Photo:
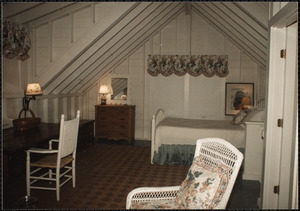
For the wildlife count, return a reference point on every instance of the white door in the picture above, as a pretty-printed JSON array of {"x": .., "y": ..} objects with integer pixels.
[
  {"x": 289, "y": 139},
  {"x": 280, "y": 166}
]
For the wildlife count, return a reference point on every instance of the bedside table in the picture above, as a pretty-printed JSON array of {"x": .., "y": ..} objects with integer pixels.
[
  {"x": 115, "y": 122},
  {"x": 254, "y": 151}
]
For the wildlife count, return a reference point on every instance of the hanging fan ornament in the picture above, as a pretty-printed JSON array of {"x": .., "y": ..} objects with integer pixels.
[{"x": 16, "y": 41}]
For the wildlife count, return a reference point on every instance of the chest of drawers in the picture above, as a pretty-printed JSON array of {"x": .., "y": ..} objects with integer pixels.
[{"x": 115, "y": 122}]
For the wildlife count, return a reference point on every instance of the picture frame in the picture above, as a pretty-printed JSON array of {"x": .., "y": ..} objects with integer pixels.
[{"x": 234, "y": 94}]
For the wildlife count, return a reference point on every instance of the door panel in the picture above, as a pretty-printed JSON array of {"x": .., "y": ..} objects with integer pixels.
[{"x": 289, "y": 119}]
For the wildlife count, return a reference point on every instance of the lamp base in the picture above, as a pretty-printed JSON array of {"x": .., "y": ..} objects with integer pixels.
[
  {"x": 26, "y": 122},
  {"x": 103, "y": 101},
  {"x": 22, "y": 124}
]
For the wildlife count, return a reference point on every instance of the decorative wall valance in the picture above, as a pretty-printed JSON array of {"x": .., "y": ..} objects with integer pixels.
[
  {"x": 16, "y": 41},
  {"x": 208, "y": 65}
]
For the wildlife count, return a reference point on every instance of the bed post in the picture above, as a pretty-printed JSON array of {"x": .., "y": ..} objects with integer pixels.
[{"x": 159, "y": 116}]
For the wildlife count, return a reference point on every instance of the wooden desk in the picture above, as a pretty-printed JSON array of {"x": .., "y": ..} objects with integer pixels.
[{"x": 16, "y": 142}]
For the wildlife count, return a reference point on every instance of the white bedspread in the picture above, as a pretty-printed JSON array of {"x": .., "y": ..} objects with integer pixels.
[{"x": 187, "y": 131}]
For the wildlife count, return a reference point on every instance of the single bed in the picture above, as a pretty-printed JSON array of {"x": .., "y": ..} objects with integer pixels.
[{"x": 173, "y": 140}]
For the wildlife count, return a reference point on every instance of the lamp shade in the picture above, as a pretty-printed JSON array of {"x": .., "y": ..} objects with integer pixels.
[
  {"x": 246, "y": 101},
  {"x": 103, "y": 89},
  {"x": 33, "y": 89}
]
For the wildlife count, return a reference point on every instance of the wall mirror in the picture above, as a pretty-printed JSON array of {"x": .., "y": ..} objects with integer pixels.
[{"x": 119, "y": 88}]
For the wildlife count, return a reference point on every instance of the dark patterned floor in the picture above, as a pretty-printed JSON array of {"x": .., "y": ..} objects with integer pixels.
[{"x": 106, "y": 173}]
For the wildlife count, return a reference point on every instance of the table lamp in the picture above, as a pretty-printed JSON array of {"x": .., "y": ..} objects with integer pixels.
[
  {"x": 246, "y": 102},
  {"x": 103, "y": 91},
  {"x": 33, "y": 89}
]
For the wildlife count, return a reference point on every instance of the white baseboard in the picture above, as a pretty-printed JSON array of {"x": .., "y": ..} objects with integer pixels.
[{"x": 259, "y": 202}]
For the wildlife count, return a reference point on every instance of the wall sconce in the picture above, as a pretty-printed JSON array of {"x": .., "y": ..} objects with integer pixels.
[
  {"x": 103, "y": 91},
  {"x": 33, "y": 89},
  {"x": 246, "y": 102}
]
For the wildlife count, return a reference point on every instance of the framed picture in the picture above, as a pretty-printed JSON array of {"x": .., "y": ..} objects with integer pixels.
[{"x": 238, "y": 96}]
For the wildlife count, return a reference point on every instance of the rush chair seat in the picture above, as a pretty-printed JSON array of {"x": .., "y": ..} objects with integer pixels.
[
  {"x": 208, "y": 184},
  {"x": 58, "y": 165}
]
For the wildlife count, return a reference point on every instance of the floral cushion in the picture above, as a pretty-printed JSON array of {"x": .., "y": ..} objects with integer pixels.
[
  {"x": 158, "y": 204},
  {"x": 203, "y": 187},
  {"x": 240, "y": 116}
]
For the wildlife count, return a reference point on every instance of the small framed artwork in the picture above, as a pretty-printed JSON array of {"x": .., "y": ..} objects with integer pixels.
[{"x": 238, "y": 96}]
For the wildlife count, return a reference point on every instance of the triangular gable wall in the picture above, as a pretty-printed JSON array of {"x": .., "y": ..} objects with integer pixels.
[{"x": 95, "y": 53}]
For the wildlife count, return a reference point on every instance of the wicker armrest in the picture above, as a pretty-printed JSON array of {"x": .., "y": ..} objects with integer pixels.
[{"x": 151, "y": 194}]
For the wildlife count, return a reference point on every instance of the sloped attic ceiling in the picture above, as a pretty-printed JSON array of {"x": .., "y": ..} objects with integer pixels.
[{"x": 243, "y": 23}]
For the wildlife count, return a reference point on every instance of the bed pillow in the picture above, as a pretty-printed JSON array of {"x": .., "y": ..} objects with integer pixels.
[
  {"x": 203, "y": 187},
  {"x": 240, "y": 116},
  {"x": 255, "y": 115}
]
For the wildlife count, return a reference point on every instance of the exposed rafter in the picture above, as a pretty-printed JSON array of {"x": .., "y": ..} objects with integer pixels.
[
  {"x": 100, "y": 50},
  {"x": 81, "y": 51},
  {"x": 249, "y": 36},
  {"x": 19, "y": 14},
  {"x": 136, "y": 44}
]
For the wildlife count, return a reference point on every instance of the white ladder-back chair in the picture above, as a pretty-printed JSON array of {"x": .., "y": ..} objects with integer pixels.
[
  {"x": 59, "y": 164},
  {"x": 215, "y": 160}
]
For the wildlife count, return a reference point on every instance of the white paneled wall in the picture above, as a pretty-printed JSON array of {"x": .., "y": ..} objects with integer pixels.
[
  {"x": 136, "y": 88},
  {"x": 206, "y": 98},
  {"x": 235, "y": 60},
  {"x": 42, "y": 49},
  {"x": 13, "y": 80},
  {"x": 183, "y": 34},
  {"x": 54, "y": 38},
  {"x": 92, "y": 101},
  {"x": 50, "y": 108},
  {"x": 261, "y": 84},
  {"x": 51, "y": 39},
  {"x": 168, "y": 38},
  {"x": 186, "y": 96},
  {"x": 82, "y": 20},
  {"x": 61, "y": 36},
  {"x": 13, "y": 85},
  {"x": 168, "y": 92},
  {"x": 147, "y": 96}
]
